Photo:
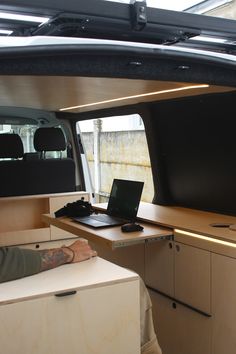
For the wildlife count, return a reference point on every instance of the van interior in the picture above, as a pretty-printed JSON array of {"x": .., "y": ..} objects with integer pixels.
[
  {"x": 183, "y": 123},
  {"x": 186, "y": 253}
]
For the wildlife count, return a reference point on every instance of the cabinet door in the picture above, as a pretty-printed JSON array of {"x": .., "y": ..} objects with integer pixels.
[
  {"x": 159, "y": 266},
  {"x": 223, "y": 304},
  {"x": 192, "y": 276},
  {"x": 101, "y": 320},
  {"x": 179, "y": 329}
]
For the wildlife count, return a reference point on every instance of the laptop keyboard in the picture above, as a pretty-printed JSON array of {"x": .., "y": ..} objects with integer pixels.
[{"x": 106, "y": 218}]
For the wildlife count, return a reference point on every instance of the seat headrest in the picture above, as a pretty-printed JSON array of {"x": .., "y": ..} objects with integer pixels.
[
  {"x": 49, "y": 139},
  {"x": 11, "y": 146}
]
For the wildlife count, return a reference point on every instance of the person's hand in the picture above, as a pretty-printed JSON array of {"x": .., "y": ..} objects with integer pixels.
[{"x": 81, "y": 251}]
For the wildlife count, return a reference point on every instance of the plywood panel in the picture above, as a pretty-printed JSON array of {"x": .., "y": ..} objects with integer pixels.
[
  {"x": 101, "y": 316},
  {"x": 131, "y": 257},
  {"x": 47, "y": 245},
  {"x": 91, "y": 273},
  {"x": 21, "y": 237},
  {"x": 104, "y": 320},
  {"x": 112, "y": 236},
  {"x": 193, "y": 277},
  {"x": 39, "y": 91},
  {"x": 181, "y": 330},
  {"x": 159, "y": 270},
  {"x": 188, "y": 219},
  {"x": 57, "y": 202},
  {"x": 22, "y": 214},
  {"x": 223, "y": 304},
  {"x": 21, "y": 217}
]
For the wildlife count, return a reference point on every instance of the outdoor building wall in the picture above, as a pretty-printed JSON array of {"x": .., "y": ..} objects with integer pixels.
[
  {"x": 123, "y": 155},
  {"x": 225, "y": 11}
]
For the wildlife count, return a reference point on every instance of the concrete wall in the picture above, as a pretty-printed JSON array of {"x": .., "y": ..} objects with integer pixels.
[
  {"x": 225, "y": 11},
  {"x": 123, "y": 155}
]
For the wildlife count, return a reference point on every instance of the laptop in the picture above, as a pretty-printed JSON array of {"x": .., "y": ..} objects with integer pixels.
[{"x": 122, "y": 205}]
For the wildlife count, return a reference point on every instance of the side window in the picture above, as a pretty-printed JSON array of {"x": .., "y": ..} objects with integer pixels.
[
  {"x": 116, "y": 147},
  {"x": 26, "y": 132}
]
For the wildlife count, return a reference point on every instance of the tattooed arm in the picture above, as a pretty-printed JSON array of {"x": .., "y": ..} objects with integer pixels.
[
  {"x": 53, "y": 258},
  {"x": 17, "y": 263},
  {"x": 77, "y": 252}
]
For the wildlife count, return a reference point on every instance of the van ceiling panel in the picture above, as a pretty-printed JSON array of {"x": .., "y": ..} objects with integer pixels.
[{"x": 57, "y": 92}]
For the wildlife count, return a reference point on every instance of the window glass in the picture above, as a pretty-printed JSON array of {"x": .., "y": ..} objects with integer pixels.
[
  {"x": 26, "y": 132},
  {"x": 116, "y": 147}
]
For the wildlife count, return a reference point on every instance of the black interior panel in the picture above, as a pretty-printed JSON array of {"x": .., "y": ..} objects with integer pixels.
[{"x": 194, "y": 152}]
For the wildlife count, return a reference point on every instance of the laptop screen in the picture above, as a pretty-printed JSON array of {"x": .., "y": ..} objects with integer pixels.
[{"x": 125, "y": 198}]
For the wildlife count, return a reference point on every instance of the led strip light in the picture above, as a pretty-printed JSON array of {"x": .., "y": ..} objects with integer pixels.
[
  {"x": 135, "y": 96},
  {"x": 206, "y": 238}
]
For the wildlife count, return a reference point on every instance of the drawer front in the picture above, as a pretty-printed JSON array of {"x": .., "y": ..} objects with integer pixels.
[{"x": 100, "y": 320}]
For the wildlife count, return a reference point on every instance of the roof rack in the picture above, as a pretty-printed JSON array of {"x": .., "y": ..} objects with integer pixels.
[{"x": 134, "y": 22}]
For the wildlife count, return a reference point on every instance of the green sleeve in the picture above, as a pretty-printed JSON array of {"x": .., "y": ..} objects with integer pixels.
[{"x": 17, "y": 263}]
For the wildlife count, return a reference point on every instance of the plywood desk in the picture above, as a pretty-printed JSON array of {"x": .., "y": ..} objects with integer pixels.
[
  {"x": 111, "y": 236},
  {"x": 158, "y": 221},
  {"x": 190, "y": 220}
]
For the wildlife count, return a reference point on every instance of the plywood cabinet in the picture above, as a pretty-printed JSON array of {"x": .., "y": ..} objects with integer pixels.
[
  {"x": 204, "y": 279},
  {"x": 159, "y": 266},
  {"x": 179, "y": 271},
  {"x": 223, "y": 304},
  {"x": 89, "y": 307},
  {"x": 179, "y": 329},
  {"x": 21, "y": 217},
  {"x": 57, "y": 202},
  {"x": 180, "y": 278},
  {"x": 192, "y": 276},
  {"x": 46, "y": 245}
]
